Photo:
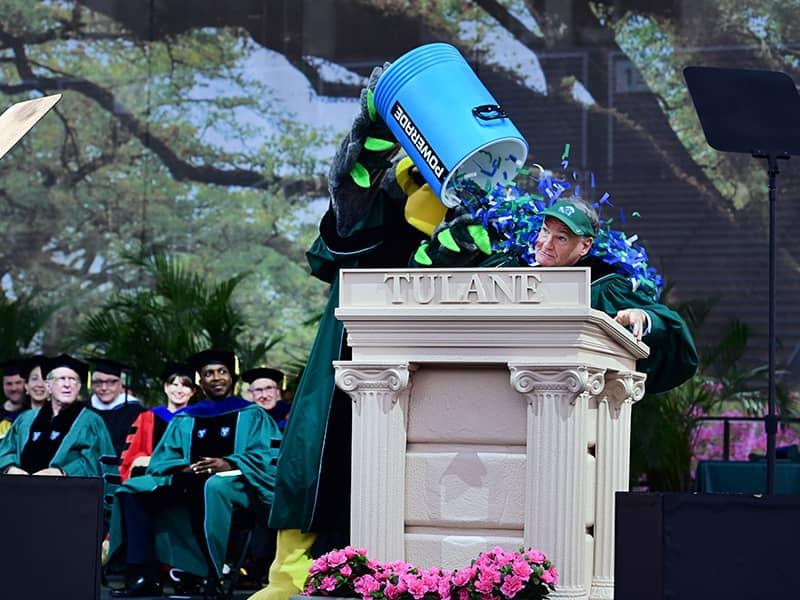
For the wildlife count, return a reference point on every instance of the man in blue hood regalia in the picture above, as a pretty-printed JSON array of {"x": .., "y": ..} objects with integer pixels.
[{"x": 217, "y": 456}]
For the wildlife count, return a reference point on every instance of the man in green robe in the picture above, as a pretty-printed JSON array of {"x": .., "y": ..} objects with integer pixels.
[
  {"x": 216, "y": 457},
  {"x": 61, "y": 438}
]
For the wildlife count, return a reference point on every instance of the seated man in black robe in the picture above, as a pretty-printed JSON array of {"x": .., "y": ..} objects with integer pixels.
[
  {"x": 112, "y": 401},
  {"x": 61, "y": 438}
]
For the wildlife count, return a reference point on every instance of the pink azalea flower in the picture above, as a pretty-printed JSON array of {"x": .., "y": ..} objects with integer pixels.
[
  {"x": 550, "y": 576},
  {"x": 485, "y": 584},
  {"x": 417, "y": 588},
  {"x": 336, "y": 558},
  {"x": 534, "y": 555},
  {"x": 511, "y": 586},
  {"x": 328, "y": 583},
  {"x": 366, "y": 584},
  {"x": 463, "y": 595},
  {"x": 390, "y": 590},
  {"x": 346, "y": 571},
  {"x": 521, "y": 568},
  {"x": 462, "y": 577}
]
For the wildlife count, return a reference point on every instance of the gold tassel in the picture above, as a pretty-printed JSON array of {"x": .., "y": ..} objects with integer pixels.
[{"x": 235, "y": 365}]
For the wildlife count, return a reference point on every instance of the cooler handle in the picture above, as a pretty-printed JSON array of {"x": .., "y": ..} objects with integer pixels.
[{"x": 488, "y": 112}]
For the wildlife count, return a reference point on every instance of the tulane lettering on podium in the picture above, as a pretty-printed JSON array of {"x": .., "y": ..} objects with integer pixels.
[
  {"x": 420, "y": 143},
  {"x": 482, "y": 288}
]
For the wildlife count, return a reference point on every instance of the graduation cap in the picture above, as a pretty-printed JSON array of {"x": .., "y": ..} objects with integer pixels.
[
  {"x": 177, "y": 368},
  {"x": 12, "y": 366},
  {"x": 213, "y": 356},
  {"x": 265, "y": 373},
  {"x": 65, "y": 360},
  {"x": 30, "y": 363},
  {"x": 107, "y": 366}
]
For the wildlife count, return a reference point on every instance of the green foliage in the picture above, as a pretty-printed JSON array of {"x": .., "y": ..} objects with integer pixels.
[
  {"x": 21, "y": 320},
  {"x": 175, "y": 313},
  {"x": 663, "y": 426}
]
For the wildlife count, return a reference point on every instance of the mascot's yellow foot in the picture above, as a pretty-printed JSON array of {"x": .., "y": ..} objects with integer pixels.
[{"x": 289, "y": 570}]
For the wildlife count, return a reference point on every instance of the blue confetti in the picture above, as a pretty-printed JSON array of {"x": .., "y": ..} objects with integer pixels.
[{"x": 513, "y": 218}]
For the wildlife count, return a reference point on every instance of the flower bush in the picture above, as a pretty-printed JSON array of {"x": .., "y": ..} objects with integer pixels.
[
  {"x": 335, "y": 573},
  {"x": 496, "y": 574}
]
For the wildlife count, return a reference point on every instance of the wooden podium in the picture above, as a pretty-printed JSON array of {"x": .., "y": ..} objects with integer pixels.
[{"x": 491, "y": 407}]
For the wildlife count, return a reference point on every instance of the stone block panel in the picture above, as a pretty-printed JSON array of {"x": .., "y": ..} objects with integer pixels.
[
  {"x": 474, "y": 405},
  {"x": 458, "y": 487},
  {"x": 450, "y": 550}
]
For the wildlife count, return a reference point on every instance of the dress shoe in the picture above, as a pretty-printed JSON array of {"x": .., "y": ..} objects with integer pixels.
[
  {"x": 141, "y": 587},
  {"x": 214, "y": 589}
]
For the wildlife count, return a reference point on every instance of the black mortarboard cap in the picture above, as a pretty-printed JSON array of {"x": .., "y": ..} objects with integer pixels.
[
  {"x": 65, "y": 360},
  {"x": 213, "y": 356},
  {"x": 177, "y": 368},
  {"x": 263, "y": 372},
  {"x": 107, "y": 366},
  {"x": 31, "y": 362}
]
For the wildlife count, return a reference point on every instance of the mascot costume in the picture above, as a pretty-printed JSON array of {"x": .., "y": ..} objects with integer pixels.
[{"x": 383, "y": 215}]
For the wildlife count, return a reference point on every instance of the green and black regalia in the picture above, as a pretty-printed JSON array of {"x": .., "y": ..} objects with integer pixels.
[
  {"x": 190, "y": 509},
  {"x": 73, "y": 441}
]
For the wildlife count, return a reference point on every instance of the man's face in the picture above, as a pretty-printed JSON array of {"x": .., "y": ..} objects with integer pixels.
[
  {"x": 264, "y": 392},
  {"x": 557, "y": 246},
  {"x": 64, "y": 385},
  {"x": 106, "y": 386},
  {"x": 216, "y": 381},
  {"x": 13, "y": 388}
]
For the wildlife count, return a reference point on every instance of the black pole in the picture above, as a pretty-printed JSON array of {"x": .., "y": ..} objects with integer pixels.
[{"x": 771, "y": 422}]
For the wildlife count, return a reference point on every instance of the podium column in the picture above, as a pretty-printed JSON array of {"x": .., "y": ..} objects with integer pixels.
[
  {"x": 555, "y": 510},
  {"x": 377, "y": 505},
  {"x": 613, "y": 470}
]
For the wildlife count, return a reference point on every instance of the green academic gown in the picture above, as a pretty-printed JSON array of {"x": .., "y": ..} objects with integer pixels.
[
  {"x": 78, "y": 454},
  {"x": 312, "y": 490},
  {"x": 256, "y": 445},
  {"x": 673, "y": 356}
]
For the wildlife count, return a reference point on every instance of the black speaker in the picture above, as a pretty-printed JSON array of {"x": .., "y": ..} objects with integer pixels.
[
  {"x": 706, "y": 546},
  {"x": 50, "y": 536}
]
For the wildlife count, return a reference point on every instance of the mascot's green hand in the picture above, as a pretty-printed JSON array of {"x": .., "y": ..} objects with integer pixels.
[
  {"x": 361, "y": 161},
  {"x": 458, "y": 242}
]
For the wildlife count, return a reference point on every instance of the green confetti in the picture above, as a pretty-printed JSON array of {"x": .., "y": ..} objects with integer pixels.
[
  {"x": 635, "y": 214},
  {"x": 566, "y": 152}
]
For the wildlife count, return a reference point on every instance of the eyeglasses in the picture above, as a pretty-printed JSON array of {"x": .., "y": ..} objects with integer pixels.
[
  {"x": 105, "y": 382},
  {"x": 262, "y": 390},
  {"x": 66, "y": 379}
]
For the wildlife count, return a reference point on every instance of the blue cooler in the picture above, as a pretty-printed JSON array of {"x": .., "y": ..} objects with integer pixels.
[{"x": 447, "y": 121}]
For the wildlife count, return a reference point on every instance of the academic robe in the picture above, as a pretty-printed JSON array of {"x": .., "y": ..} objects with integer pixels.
[
  {"x": 673, "y": 357},
  {"x": 143, "y": 437},
  {"x": 256, "y": 441},
  {"x": 118, "y": 420},
  {"x": 79, "y": 452},
  {"x": 313, "y": 481}
]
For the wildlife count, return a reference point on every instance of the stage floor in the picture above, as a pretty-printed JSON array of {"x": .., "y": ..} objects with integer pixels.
[{"x": 105, "y": 594}]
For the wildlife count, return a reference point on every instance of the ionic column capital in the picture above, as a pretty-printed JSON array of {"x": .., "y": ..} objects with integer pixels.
[
  {"x": 575, "y": 379},
  {"x": 624, "y": 387},
  {"x": 360, "y": 380}
]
